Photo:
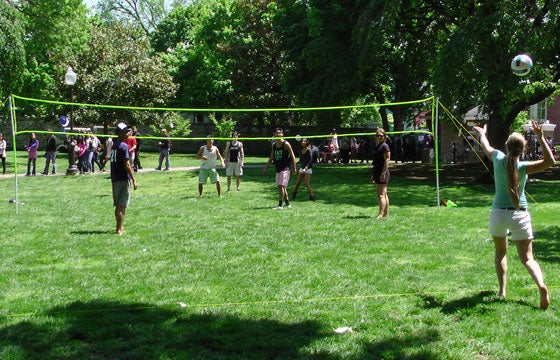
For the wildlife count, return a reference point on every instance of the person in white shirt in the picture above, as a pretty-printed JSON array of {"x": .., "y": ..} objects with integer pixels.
[{"x": 209, "y": 154}]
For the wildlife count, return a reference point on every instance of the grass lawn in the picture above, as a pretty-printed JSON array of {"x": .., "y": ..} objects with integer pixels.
[{"x": 230, "y": 278}]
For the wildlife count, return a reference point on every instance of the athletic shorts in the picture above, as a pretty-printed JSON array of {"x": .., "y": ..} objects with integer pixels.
[
  {"x": 234, "y": 169},
  {"x": 204, "y": 174},
  {"x": 121, "y": 193},
  {"x": 283, "y": 177},
  {"x": 308, "y": 171},
  {"x": 377, "y": 178},
  {"x": 518, "y": 223}
]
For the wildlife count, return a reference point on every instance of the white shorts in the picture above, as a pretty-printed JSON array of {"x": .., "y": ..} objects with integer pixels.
[
  {"x": 283, "y": 178},
  {"x": 518, "y": 223},
  {"x": 234, "y": 169},
  {"x": 308, "y": 171}
]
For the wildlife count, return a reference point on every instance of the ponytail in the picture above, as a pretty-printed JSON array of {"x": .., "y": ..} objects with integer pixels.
[
  {"x": 513, "y": 179},
  {"x": 515, "y": 146}
]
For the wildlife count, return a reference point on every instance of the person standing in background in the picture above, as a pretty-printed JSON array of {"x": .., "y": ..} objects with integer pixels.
[
  {"x": 305, "y": 169},
  {"x": 234, "y": 155},
  {"x": 121, "y": 175},
  {"x": 32, "y": 147},
  {"x": 209, "y": 154},
  {"x": 380, "y": 176},
  {"x": 164, "y": 147},
  {"x": 282, "y": 156},
  {"x": 50, "y": 154},
  {"x": 137, "y": 165},
  {"x": 3, "y": 152}
]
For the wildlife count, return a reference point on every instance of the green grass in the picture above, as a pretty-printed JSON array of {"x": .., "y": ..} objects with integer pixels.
[{"x": 229, "y": 278}]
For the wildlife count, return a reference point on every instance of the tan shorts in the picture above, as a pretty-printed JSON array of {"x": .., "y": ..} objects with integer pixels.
[{"x": 234, "y": 169}]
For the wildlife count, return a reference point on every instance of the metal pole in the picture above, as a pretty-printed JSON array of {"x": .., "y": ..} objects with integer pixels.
[{"x": 15, "y": 153}]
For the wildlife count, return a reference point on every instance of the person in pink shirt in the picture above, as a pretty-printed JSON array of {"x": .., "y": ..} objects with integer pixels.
[{"x": 32, "y": 147}]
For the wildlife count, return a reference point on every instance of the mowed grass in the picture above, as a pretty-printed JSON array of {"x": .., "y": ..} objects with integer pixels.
[{"x": 230, "y": 278}]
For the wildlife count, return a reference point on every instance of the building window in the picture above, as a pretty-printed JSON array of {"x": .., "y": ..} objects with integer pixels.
[
  {"x": 538, "y": 111},
  {"x": 541, "y": 112},
  {"x": 199, "y": 118}
]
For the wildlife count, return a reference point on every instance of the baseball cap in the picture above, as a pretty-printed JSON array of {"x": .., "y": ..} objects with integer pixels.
[{"x": 122, "y": 127}]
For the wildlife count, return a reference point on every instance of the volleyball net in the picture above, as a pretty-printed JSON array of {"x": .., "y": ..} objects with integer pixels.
[{"x": 68, "y": 119}]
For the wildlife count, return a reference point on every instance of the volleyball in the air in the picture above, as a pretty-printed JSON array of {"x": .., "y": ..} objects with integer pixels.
[{"x": 521, "y": 65}]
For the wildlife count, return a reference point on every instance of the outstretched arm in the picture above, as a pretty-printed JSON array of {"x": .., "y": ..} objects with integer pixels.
[
  {"x": 488, "y": 150},
  {"x": 548, "y": 158}
]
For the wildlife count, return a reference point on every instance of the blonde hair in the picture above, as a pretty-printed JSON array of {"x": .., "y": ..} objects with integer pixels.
[{"x": 515, "y": 145}]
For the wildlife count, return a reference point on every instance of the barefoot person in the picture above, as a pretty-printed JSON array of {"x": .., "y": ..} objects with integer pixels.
[
  {"x": 509, "y": 209},
  {"x": 121, "y": 174},
  {"x": 380, "y": 176}
]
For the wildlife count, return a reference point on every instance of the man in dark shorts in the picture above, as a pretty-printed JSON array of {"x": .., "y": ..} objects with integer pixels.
[{"x": 121, "y": 175}]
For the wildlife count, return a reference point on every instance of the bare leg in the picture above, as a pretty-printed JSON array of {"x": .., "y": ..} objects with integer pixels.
[
  {"x": 383, "y": 200},
  {"x": 308, "y": 184},
  {"x": 500, "y": 263},
  {"x": 200, "y": 187},
  {"x": 237, "y": 182},
  {"x": 525, "y": 252},
  {"x": 296, "y": 187},
  {"x": 119, "y": 217},
  {"x": 228, "y": 182},
  {"x": 219, "y": 188}
]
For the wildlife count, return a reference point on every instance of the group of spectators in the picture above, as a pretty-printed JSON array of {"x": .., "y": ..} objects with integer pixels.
[
  {"x": 342, "y": 151},
  {"x": 89, "y": 151}
]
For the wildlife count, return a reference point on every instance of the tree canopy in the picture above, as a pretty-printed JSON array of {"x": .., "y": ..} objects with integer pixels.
[{"x": 285, "y": 53}]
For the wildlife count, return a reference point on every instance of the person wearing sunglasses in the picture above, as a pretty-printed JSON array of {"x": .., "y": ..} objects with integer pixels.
[{"x": 380, "y": 176}]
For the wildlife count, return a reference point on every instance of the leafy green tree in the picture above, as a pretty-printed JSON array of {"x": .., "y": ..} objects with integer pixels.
[
  {"x": 54, "y": 36},
  {"x": 316, "y": 39},
  {"x": 474, "y": 64},
  {"x": 118, "y": 69},
  {"x": 225, "y": 54},
  {"x": 143, "y": 13},
  {"x": 12, "y": 56},
  {"x": 198, "y": 63}
]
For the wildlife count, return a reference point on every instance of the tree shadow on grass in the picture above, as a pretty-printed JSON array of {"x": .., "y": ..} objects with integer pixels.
[
  {"x": 546, "y": 245},
  {"x": 473, "y": 304},
  {"x": 112, "y": 330},
  {"x": 398, "y": 347}
]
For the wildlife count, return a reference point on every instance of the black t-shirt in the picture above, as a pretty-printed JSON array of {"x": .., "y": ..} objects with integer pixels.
[
  {"x": 281, "y": 157},
  {"x": 119, "y": 154}
]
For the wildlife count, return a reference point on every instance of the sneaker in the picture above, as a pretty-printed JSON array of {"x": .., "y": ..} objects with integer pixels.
[
  {"x": 277, "y": 208},
  {"x": 158, "y": 168},
  {"x": 166, "y": 169},
  {"x": 44, "y": 173},
  {"x": 288, "y": 206}
]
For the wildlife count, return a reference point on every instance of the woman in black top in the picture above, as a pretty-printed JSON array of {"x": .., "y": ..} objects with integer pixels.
[
  {"x": 381, "y": 174},
  {"x": 305, "y": 169}
]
